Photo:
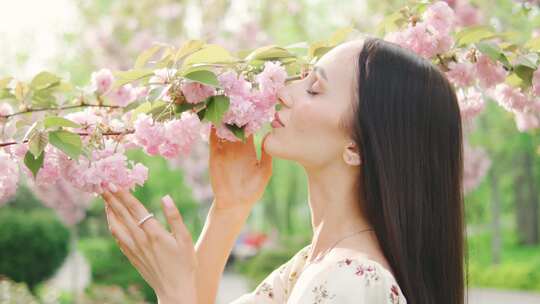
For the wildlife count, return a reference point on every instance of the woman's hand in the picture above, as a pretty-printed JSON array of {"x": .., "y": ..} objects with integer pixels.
[
  {"x": 238, "y": 178},
  {"x": 167, "y": 261}
]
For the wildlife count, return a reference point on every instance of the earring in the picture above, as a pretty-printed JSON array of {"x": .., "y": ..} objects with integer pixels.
[{"x": 350, "y": 156}]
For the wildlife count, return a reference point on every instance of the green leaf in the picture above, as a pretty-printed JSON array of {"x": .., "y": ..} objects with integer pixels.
[
  {"x": 6, "y": 94},
  {"x": 269, "y": 52},
  {"x": 142, "y": 108},
  {"x": 44, "y": 80},
  {"x": 204, "y": 77},
  {"x": 160, "y": 108},
  {"x": 179, "y": 108},
  {"x": 390, "y": 23},
  {"x": 21, "y": 90},
  {"x": 43, "y": 98},
  {"x": 473, "y": 34},
  {"x": 525, "y": 73},
  {"x": 56, "y": 121},
  {"x": 143, "y": 57},
  {"x": 237, "y": 131},
  {"x": 124, "y": 77},
  {"x": 68, "y": 142},
  {"x": 211, "y": 53},
  {"x": 216, "y": 107},
  {"x": 493, "y": 51},
  {"x": 166, "y": 60},
  {"x": 33, "y": 163},
  {"x": 340, "y": 35},
  {"x": 4, "y": 82},
  {"x": 528, "y": 60},
  {"x": 37, "y": 143},
  {"x": 188, "y": 48},
  {"x": 533, "y": 44}
]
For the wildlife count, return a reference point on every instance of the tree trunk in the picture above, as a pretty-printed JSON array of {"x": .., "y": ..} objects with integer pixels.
[
  {"x": 531, "y": 234},
  {"x": 495, "y": 217}
]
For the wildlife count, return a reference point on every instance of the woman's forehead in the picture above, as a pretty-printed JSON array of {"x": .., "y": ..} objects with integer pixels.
[{"x": 339, "y": 61}]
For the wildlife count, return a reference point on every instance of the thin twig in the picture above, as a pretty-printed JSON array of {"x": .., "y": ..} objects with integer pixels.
[
  {"x": 78, "y": 133},
  {"x": 59, "y": 109}
]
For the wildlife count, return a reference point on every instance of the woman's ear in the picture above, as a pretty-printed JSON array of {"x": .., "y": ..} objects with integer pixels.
[{"x": 351, "y": 154}]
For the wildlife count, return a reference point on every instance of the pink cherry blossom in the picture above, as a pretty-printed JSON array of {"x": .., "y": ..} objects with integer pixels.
[
  {"x": 50, "y": 173},
  {"x": 196, "y": 92},
  {"x": 140, "y": 92},
  {"x": 68, "y": 202},
  {"x": 224, "y": 133},
  {"x": 536, "y": 83},
  {"x": 106, "y": 170},
  {"x": 17, "y": 151},
  {"x": 526, "y": 121},
  {"x": 443, "y": 43},
  {"x": 162, "y": 76},
  {"x": 180, "y": 135},
  {"x": 510, "y": 98},
  {"x": 5, "y": 109},
  {"x": 102, "y": 81},
  {"x": 234, "y": 84},
  {"x": 471, "y": 104},
  {"x": 9, "y": 177},
  {"x": 168, "y": 139},
  {"x": 489, "y": 73},
  {"x": 88, "y": 119},
  {"x": 467, "y": 14},
  {"x": 272, "y": 78},
  {"x": 439, "y": 16},
  {"x": 148, "y": 134},
  {"x": 123, "y": 95},
  {"x": 476, "y": 165},
  {"x": 461, "y": 74},
  {"x": 241, "y": 111},
  {"x": 417, "y": 39}
]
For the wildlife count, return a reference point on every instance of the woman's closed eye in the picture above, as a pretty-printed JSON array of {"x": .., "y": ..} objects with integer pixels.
[{"x": 311, "y": 92}]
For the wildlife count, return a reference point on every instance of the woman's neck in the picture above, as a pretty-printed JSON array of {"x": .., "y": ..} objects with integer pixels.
[{"x": 334, "y": 204}]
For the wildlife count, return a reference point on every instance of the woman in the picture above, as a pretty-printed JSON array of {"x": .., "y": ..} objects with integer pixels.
[{"x": 378, "y": 131}]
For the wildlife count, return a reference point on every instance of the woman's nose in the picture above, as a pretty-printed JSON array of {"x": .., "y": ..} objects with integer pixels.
[{"x": 283, "y": 97}]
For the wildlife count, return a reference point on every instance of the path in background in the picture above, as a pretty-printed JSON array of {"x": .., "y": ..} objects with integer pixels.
[{"x": 233, "y": 285}]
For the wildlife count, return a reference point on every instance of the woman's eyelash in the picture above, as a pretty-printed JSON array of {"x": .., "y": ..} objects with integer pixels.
[{"x": 310, "y": 92}]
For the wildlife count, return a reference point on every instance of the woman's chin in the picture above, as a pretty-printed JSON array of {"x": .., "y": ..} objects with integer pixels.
[{"x": 272, "y": 144}]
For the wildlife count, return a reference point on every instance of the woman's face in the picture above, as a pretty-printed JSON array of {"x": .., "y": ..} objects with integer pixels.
[{"x": 313, "y": 108}]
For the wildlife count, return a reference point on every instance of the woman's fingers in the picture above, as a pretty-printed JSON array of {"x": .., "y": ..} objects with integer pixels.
[
  {"x": 151, "y": 226},
  {"x": 126, "y": 220},
  {"x": 117, "y": 230},
  {"x": 127, "y": 245},
  {"x": 174, "y": 218},
  {"x": 266, "y": 159}
]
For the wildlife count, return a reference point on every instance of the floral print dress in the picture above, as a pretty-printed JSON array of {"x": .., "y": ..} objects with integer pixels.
[{"x": 344, "y": 280}]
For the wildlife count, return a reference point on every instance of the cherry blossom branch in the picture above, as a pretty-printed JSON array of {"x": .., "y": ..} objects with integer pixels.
[
  {"x": 59, "y": 109},
  {"x": 129, "y": 131}
]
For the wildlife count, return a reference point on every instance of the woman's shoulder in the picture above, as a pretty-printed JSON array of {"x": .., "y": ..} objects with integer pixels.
[{"x": 348, "y": 279}]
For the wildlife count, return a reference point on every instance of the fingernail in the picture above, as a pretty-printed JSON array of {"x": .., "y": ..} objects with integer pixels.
[{"x": 167, "y": 201}]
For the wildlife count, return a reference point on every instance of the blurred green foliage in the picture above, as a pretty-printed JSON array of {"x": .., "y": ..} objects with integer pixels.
[
  {"x": 110, "y": 266},
  {"x": 34, "y": 244}
]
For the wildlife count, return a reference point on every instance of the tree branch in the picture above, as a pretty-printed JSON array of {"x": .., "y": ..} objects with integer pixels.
[
  {"x": 60, "y": 109},
  {"x": 9, "y": 143}
]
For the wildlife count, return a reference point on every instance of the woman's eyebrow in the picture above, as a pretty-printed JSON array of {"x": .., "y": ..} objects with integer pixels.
[{"x": 321, "y": 71}]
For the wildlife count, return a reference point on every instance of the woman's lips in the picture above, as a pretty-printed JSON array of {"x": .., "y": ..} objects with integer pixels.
[{"x": 277, "y": 123}]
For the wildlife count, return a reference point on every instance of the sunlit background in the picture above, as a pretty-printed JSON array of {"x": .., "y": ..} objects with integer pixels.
[{"x": 73, "y": 38}]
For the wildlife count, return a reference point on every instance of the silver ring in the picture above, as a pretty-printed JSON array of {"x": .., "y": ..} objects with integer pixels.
[{"x": 145, "y": 218}]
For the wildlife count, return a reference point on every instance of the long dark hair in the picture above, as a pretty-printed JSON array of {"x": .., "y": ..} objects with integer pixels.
[{"x": 408, "y": 128}]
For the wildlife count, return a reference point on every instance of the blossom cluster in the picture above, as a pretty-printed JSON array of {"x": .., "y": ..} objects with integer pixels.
[
  {"x": 107, "y": 131},
  {"x": 476, "y": 74},
  {"x": 432, "y": 35}
]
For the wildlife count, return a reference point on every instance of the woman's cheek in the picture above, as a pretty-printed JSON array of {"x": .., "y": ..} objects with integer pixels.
[{"x": 308, "y": 118}]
